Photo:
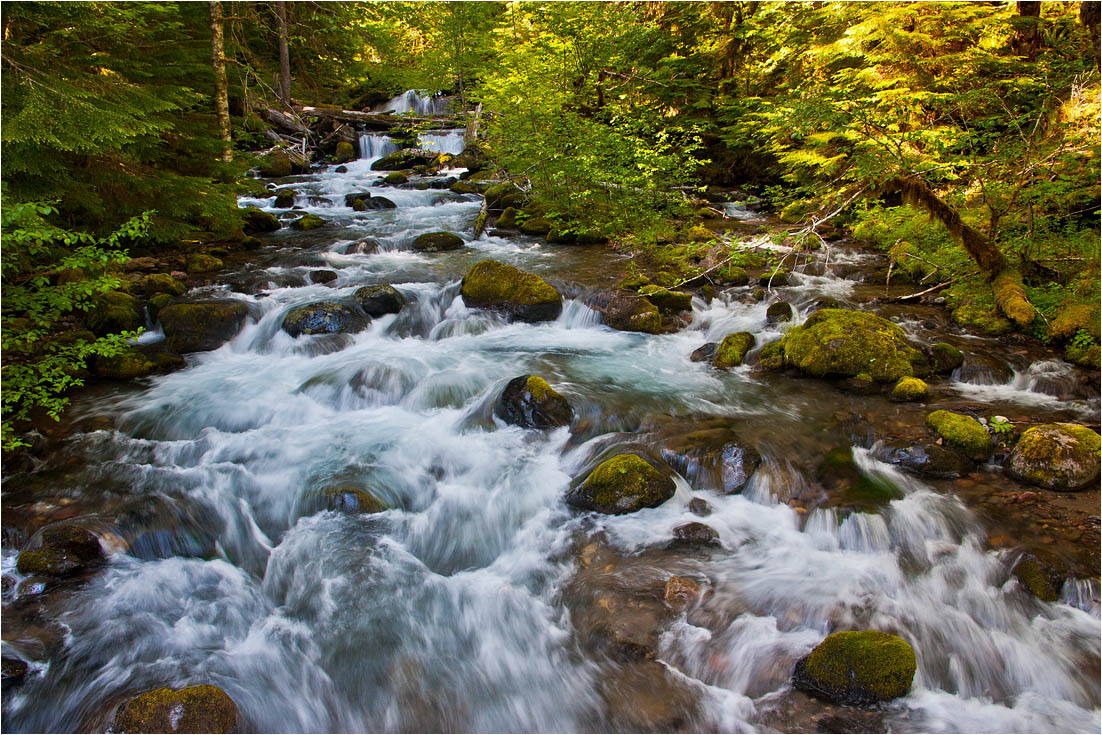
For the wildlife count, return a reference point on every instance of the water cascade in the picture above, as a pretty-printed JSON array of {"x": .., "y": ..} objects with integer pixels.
[{"x": 413, "y": 101}]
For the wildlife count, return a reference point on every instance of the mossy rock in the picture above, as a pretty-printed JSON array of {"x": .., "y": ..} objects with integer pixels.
[
  {"x": 668, "y": 302},
  {"x": 256, "y": 220},
  {"x": 203, "y": 263},
  {"x": 201, "y": 326},
  {"x": 627, "y": 311},
  {"x": 561, "y": 237},
  {"x": 404, "y": 159},
  {"x": 435, "y": 242},
  {"x": 781, "y": 311},
  {"x": 666, "y": 279},
  {"x": 500, "y": 287},
  {"x": 114, "y": 312},
  {"x": 634, "y": 282},
  {"x": 982, "y": 319},
  {"x": 345, "y": 152},
  {"x": 732, "y": 350},
  {"x": 624, "y": 484},
  {"x": 848, "y": 343},
  {"x": 502, "y": 196},
  {"x": 508, "y": 219},
  {"x": 325, "y": 317},
  {"x": 962, "y": 432},
  {"x": 732, "y": 275},
  {"x": 1085, "y": 355},
  {"x": 201, "y": 708},
  {"x": 463, "y": 187},
  {"x": 774, "y": 278},
  {"x": 537, "y": 226},
  {"x": 1040, "y": 581},
  {"x": 396, "y": 178},
  {"x": 945, "y": 357},
  {"x": 1070, "y": 319},
  {"x": 275, "y": 165},
  {"x": 128, "y": 364},
  {"x": 529, "y": 401},
  {"x": 285, "y": 199},
  {"x": 910, "y": 389},
  {"x": 158, "y": 302},
  {"x": 162, "y": 283},
  {"x": 1056, "y": 457},
  {"x": 699, "y": 233},
  {"x": 308, "y": 222},
  {"x": 858, "y": 668},
  {"x": 66, "y": 549},
  {"x": 379, "y": 299},
  {"x": 771, "y": 356}
]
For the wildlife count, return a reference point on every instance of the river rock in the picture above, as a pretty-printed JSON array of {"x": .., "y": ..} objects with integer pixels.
[
  {"x": 379, "y": 299},
  {"x": 276, "y": 164},
  {"x": 285, "y": 199},
  {"x": 700, "y": 507},
  {"x": 714, "y": 458},
  {"x": 624, "y": 484},
  {"x": 257, "y": 220},
  {"x": 162, "y": 283},
  {"x": 529, "y": 401},
  {"x": 1056, "y": 457},
  {"x": 945, "y": 358},
  {"x": 325, "y": 317},
  {"x": 435, "y": 242},
  {"x": 667, "y": 301},
  {"x": 627, "y": 311},
  {"x": 12, "y": 671},
  {"x": 114, "y": 312},
  {"x": 203, "y": 263},
  {"x": 522, "y": 296},
  {"x": 705, "y": 353},
  {"x": 781, "y": 311},
  {"x": 732, "y": 350},
  {"x": 404, "y": 159},
  {"x": 345, "y": 151},
  {"x": 366, "y": 246},
  {"x": 1040, "y": 580},
  {"x": 910, "y": 389},
  {"x": 980, "y": 369},
  {"x": 202, "y": 325},
  {"x": 500, "y": 197},
  {"x": 962, "y": 432},
  {"x": 536, "y": 226},
  {"x": 308, "y": 222},
  {"x": 202, "y": 708},
  {"x": 65, "y": 550},
  {"x": 857, "y": 668},
  {"x": 930, "y": 460},
  {"x": 842, "y": 342},
  {"x": 695, "y": 533},
  {"x": 364, "y": 202}
]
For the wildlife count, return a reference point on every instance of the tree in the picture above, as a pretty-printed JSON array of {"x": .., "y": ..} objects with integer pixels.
[
  {"x": 218, "y": 63},
  {"x": 284, "y": 55}
]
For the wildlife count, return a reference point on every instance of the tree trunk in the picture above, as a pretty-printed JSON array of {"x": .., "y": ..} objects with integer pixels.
[
  {"x": 284, "y": 55},
  {"x": 1090, "y": 14},
  {"x": 218, "y": 64},
  {"x": 1027, "y": 42}
]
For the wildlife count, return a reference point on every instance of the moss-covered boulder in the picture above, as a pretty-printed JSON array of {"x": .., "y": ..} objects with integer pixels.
[
  {"x": 858, "y": 668},
  {"x": 308, "y": 222},
  {"x": 257, "y": 220},
  {"x": 523, "y": 296},
  {"x": 502, "y": 196},
  {"x": 627, "y": 311},
  {"x": 464, "y": 187},
  {"x": 325, "y": 317},
  {"x": 1039, "y": 580},
  {"x": 203, "y": 263},
  {"x": 396, "y": 178},
  {"x": 162, "y": 283},
  {"x": 774, "y": 278},
  {"x": 536, "y": 226},
  {"x": 404, "y": 159},
  {"x": 771, "y": 356},
  {"x": 1056, "y": 457},
  {"x": 1085, "y": 355},
  {"x": 667, "y": 301},
  {"x": 379, "y": 299},
  {"x": 1073, "y": 317},
  {"x": 529, "y": 401},
  {"x": 285, "y": 199},
  {"x": 982, "y": 319},
  {"x": 158, "y": 302},
  {"x": 781, "y": 311},
  {"x": 698, "y": 233},
  {"x": 435, "y": 242},
  {"x": 202, "y": 708},
  {"x": 276, "y": 164},
  {"x": 345, "y": 152},
  {"x": 65, "y": 549},
  {"x": 945, "y": 358},
  {"x": 624, "y": 484},
  {"x": 127, "y": 364},
  {"x": 732, "y": 350},
  {"x": 633, "y": 282},
  {"x": 113, "y": 312},
  {"x": 842, "y": 342},
  {"x": 910, "y": 389},
  {"x": 201, "y": 326},
  {"x": 508, "y": 219},
  {"x": 962, "y": 432},
  {"x": 732, "y": 275}
]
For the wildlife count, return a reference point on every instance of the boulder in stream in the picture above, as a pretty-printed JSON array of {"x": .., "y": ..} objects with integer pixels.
[
  {"x": 842, "y": 342},
  {"x": 667, "y": 301},
  {"x": 930, "y": 460},
  {"x": 695, "y": 533},
  {"x": 529, "y": 401},
  {"x": 945, "y": 358},
  {"x": 404, "y": 159},
  {"x": 857, "y": 668},
  {"x": 436, "y": 242},
  {"x": 705, "y": 353},
  {"x": 379, "y": 299},
  {"x": 325, "y": 317},
  {"x": 285, "y": 199},
  {"x": 345, "y": 151},
  {"x": 781, "y": 311},
  {"x": 201, "y": 325},
  {"x": 201, "y": 708},
  {"x": 308, "y": 222},
  {"x": 522, "y": 296},
  {"x": 627, "y": 311},
  {"x": 203, "y": 263},
  {"x": 962, "y": 432},
  {"x": 624, "y": 484},
  {"x": 536, "y": 226},
  {"x": 732, "y": 350},
  {"x": 1056, "y": 457},
  {"x": 65, "y": 550},
  {"x": 712, "y": 457},
  {"x": 113, "y": 312},
  {"x": 276, "y": 164},
  {"x": 257, "y": 221},
  {"x": 910, "y": 389}
]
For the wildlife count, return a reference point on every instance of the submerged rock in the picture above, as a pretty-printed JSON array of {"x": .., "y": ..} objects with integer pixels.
[
  {"x": 379, "y": 299},
  {"x": 522, "y": 296},
  {"x": 530, "y": 402},
  {"x": 962, "y": 432},
  {"x": 624, "y": 484},
  {"x": 202, "y": 708},
  {"x": 350, "y": 500},
  {"x": 435, "y": 242},
  {"x": 857, "y": 668},
  {"x": 325, "y": 317},
  {"x": 931, "y": 460},
  {"x": 65, "y": 549},
  {"x": 732, "y": 350},
  {"x": 842, "y": 342},
  {"x": 1056, "y": 457},
  {"x": 202, "y": 325},
  {"x": 705, "y": 353}
]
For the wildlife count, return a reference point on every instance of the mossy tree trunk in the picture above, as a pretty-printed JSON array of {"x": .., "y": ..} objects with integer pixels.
[
  {"x": 218, "y": 64},
  {"x": 284, "y": 56}
]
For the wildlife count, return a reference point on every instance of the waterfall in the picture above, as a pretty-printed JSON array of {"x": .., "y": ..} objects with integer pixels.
[
  {"x": 413, "y": 101},
  {"x": 441, "y": 141},
  {"x": 375, "y": 145}
]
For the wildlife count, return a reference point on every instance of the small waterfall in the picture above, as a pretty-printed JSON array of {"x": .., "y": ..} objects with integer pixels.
[
  {"x": 413, "y": 101},
  {"x": 442, "y": 141},
  {"x": 374, "y": 145}
]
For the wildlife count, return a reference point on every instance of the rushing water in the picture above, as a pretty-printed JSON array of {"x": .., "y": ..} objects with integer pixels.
[{"x": 459, "y": 608}]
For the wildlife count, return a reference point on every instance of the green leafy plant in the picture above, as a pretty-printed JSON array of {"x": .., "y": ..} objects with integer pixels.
[{"x": 999, "y": 425}]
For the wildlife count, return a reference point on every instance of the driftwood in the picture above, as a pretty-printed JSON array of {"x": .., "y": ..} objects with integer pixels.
[
  {"x": 377, "y": 121},
  {"x": 938, "y": 287},
  {"x": 283, "y": 121}
]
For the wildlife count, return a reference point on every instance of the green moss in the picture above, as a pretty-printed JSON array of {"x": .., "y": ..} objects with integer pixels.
[
  {"x": 494, "y": 285},
  {"x": 771, "y": 356},
  {"x": 395, "y": 178},
  {"x": 285, "y": 199},
  {"x": 699, "y": 233},
  {"x": 162, "y": 283},
  {"x": 733, "y": 275},
  {"x": 668, "y": 302},
  {"x": 946, "y": 357},
  {"x": 634, "y": 282},
  {"x": 345, "y": 151},
  {"x": 1034, "y": 578},
  {"x": 464, "y": 187},
  {"x": 1070, "y": 319},
  {"x": 128, "y": 364},
  {"x": 733, "y": 349},
  {"x": 963, "y": 432},
  {"x": 1056, "y": 456},
  {"x": 113, "y": 312},
  {"x": 774, "y": 278},
  {"x": 202, "y": 708},
  {"x": 910, "y": 389},
  {"x": 1012, "y": 299},
  {"x": 624, "y": 484},
  {"x": 982, "y": 319},
  {"x": 158, "y": 302},
  {"x": 1085, "y": 355},
  {"x": 844, "y": 342},
  {"x": 541, "y": 390},
  {"x": 308, "y": 222},
  {"x": 275, "y": 165},
  {"x": 872, "y": 663},
  {"x": 257, "y": 220},
  {"x": 508, "y": 218},
  {"x": 666, "y": 279},
  {"x": 537, "y": 226},
  {"x": 203, "y": 263}
]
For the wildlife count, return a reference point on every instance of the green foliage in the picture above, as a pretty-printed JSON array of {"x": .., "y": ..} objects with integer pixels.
[
  {"x": 41, "y": 361},
  {"x": 999, "y": 425}
]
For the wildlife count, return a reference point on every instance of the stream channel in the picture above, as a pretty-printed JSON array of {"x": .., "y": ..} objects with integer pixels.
[{"x": 479, "y": 601}]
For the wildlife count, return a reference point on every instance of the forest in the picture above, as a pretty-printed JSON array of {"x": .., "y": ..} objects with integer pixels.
[{"x": 551, "y": 366}]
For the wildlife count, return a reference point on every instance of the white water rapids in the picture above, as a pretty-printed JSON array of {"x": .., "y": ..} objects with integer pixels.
[{"x": 447, "y": 612}]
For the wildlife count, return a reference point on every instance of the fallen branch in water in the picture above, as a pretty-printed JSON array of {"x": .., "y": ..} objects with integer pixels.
[{"x": 935, "y": 288}]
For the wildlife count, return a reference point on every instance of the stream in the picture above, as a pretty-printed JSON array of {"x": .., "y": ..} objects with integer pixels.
[{"x": 478, "y": 601}]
